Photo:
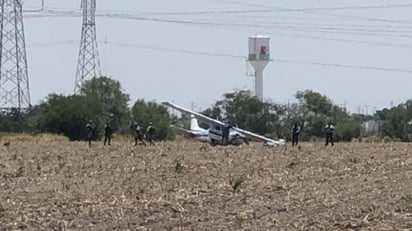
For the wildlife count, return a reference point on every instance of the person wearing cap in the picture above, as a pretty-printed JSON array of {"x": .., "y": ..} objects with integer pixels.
[
  {"x": 150, "y": 133},
  {"x": 89, "y": 129}
]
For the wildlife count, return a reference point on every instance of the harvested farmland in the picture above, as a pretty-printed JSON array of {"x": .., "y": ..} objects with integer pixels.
[{"x": 191, "y": 186}]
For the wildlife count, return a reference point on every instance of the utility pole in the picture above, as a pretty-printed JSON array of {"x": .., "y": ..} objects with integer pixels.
[
  {"x": 14, "y": 80},
  {"x": 88, "y": 65}
]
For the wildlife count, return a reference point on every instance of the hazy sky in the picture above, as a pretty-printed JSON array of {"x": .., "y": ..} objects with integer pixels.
[{"x": 368, "y": 33}]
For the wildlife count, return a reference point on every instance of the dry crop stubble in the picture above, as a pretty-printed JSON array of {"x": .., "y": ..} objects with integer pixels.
[{"x": 189, "y": 186}]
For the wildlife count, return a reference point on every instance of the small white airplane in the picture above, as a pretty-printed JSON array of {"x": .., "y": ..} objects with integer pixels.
[{"x": 213, "y": 135}]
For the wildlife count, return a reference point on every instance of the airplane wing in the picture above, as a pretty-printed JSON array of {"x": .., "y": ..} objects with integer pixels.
[
  {"x": 248, "y": 134},
  {"x": 190, "y": 112},
  {"x": 254, "y": 136}
]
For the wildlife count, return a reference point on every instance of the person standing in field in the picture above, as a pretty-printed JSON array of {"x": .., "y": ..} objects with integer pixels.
[
  {"x": 137, "y": 133},
  {"x": 295, "y": 134},
  {"x": 150, "y": 133},
  {"x": 89, "y": 129},
  {"x": 329, "y": 133},
  {"x": 225, "y": 133},
  {"x": 108, "y": 132}
]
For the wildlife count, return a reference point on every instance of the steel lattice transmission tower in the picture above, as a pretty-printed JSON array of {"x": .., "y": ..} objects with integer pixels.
[
  {"x": 88, "y": 65},
  {"x": 14, "y": 80}
]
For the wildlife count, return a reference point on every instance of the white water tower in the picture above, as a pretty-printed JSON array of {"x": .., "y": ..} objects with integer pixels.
[{"x": 259, "y": 57}]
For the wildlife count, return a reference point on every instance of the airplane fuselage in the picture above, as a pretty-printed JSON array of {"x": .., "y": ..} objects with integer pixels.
[
  {"x": 202, "y": 136},
  {"x": 216, "y": 139},
  {"x": 216, "y": 136}
]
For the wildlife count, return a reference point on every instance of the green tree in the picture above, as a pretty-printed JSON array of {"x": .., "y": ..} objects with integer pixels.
[
  {"x": 67, "y": 115},
  {"x": 316, "y": 110},
  {"x": 145, "y": 112},
  {"x": 242, "y": 109},
  {"x": 397, "y": 122},
  {"x": 14, "y": 120},
  {"x": 315, "y": 102},
  {"x": 347, "y": 130},
  {"x": 213, "y": 112},
  {"x": 113, "y": 101}
]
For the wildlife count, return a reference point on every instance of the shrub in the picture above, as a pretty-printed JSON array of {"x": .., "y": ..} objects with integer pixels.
[
  {"x": 178, "y": 166},
  {"x": 235, "y": 182}
]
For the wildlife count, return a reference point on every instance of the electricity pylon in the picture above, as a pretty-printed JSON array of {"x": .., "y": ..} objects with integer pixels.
[
  {"x": 88, "y": 65},
  {"x": 14, "y": 80}
]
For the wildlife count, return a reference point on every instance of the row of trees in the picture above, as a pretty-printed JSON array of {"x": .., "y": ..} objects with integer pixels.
[
  {"x": 311, "y": 112},
  {"x": 103, "y": 100},
  {"x": 100, "y": 100},
  {"x": 397, "y": 122}
]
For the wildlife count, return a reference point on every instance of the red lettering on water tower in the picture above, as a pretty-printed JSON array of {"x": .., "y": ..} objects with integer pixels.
[{"x": 263, "y": 50}]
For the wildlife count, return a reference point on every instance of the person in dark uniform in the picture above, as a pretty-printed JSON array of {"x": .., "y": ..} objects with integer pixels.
[
  {"x": 150, "y": 133},
  {"x": 137, "y": 132},
  {"x": 329, "y": 133},
  {"x": 295, "y": 134},
  {"x": 225, "y": 133},
  {"x": 89, "y": 128},
  {"x": 108, "y": 132}
]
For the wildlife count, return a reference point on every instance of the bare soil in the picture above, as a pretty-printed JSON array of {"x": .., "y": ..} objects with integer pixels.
[{"x": 191, "y": 186}]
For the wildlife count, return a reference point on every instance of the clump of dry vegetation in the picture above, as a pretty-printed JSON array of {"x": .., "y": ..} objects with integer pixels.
[
  {"x": 26, "y": 137},
  {"x": 67, "y": 186}
]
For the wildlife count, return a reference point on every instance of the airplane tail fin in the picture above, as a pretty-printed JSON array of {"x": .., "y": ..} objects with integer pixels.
[{"x": 193, "y": 123}]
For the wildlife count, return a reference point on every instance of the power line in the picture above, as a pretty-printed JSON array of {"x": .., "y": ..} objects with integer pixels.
[
  {"x": 345, "y": 66},
  {"x": 174, "y": 50},
  {"x": 353, "y": 7},
  {"x": 364, "y": 32},
  {"x": 367, "y": 18},
  {"x": 219, "y": 23},
  {"x": 272, "y": 10},
  {"x": 192, "y": 52},
  {"x": 361, "y": 7},
  {"x": 310, "y": 28},
  {"x": 270, "y": 28},
  {"x": 268, "y": 9},
  {"x": 50, "y": 44},
  {"x": 318, "y": 11},
  {"x": 343, "y": 40},
  {"x": 69, "y": 42},
  {"x": 316, "y": 29},
  {"x": 263, "y": 9}
]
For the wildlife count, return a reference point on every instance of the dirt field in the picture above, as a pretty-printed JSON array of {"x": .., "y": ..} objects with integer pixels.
[{"x": 191, "y": 186}]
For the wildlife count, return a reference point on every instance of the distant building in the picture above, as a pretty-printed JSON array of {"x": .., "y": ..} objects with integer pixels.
[{"x": 371, "y": 126}]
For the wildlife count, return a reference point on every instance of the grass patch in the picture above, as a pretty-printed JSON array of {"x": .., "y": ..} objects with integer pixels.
[
  {"x": 408, "y": 199},
  {"x": 27, "y": 137},
  {"x": 179, "y": 166},
  {"x": 122, "y": 137},
  {"x": 236, "y": 182}
]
